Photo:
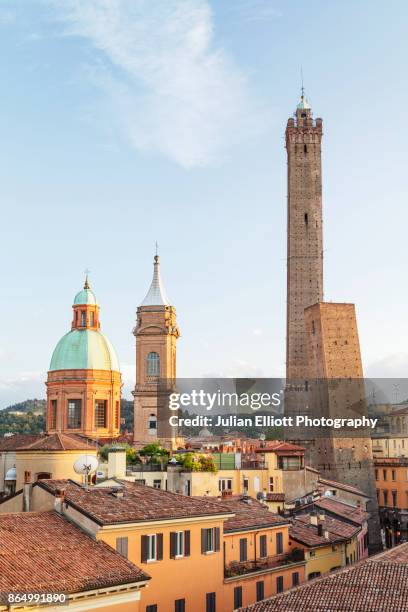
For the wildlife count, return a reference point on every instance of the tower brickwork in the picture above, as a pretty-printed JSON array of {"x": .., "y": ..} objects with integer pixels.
[
  {"x": 305, "y": 233},
  {"x": 156, "y": 333},
  {"x": 336, "y": 390},
  {"x": 304, "y": 245}
]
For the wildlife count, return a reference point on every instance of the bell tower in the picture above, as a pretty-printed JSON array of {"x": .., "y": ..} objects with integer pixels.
[
  {"x": 156, "y": 335},
  {"x": 305, "y": 245}
]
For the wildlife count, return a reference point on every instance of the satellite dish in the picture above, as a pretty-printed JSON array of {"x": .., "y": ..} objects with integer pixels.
[
  {"x": 328, "y": 494},
  {"x": 86, "y": 464}
]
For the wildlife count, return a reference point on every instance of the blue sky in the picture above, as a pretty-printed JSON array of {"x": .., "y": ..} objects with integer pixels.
[{"x": 124, "y": 122}]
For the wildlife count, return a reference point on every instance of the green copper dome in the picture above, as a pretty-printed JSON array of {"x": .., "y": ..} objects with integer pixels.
[
  {"x": 84, "y": 349},
  {"x": 86, "y": 296}
]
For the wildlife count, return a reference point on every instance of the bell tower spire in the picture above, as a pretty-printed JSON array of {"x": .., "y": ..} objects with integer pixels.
[{"x": 156, "y": 334}]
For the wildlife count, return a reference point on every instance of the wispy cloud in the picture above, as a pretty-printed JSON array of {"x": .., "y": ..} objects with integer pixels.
[
  {"x": 176, "y": 92},
  {"x": 21, "y": 379}
]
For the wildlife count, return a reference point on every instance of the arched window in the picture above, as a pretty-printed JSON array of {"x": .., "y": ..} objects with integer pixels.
[
  {"x": 153, "y": 364},
  {"x": 43, "y": 475},
  {"x": 153, "y": 422}
]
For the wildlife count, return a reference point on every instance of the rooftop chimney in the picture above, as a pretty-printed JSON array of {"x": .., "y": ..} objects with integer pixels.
[
  {"x": 117, "y": 462},
  {"x": 27, "y": 488},
  {"x": 59, "y": 501}
]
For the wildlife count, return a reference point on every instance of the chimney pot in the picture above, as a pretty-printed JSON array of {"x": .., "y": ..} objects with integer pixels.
[{"x": 59, "y": 500}]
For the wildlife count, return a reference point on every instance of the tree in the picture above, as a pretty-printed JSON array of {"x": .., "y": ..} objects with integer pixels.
[
  {"x": 202, "y": 463},
  {"x": 154, "y": 452},
  {"x": 131, "y": 455}
]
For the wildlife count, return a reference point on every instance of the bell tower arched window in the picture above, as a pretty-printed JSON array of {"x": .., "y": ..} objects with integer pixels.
[{"x": 153, "y": 364}]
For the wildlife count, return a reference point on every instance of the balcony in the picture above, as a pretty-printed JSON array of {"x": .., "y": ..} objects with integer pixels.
[
  {"x": 146, "y": 467},
  {"x": 236, "y": 568}
]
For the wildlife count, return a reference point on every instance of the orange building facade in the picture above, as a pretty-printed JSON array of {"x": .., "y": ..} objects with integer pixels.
[
  {"x": 84, "y": 380},
  {"x": 201, "y": 554}
]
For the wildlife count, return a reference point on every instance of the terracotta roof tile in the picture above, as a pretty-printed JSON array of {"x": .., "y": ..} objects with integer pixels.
[
  {"x": 48, "y": 442},
  {"x": 346, "y": 511},
  {"x": 43, "y": 552},
  {"x": 139, "y": 503},
  {"x": 344, "y": 487},
  {"x": 14, "y": 442},
  {"x": 373, "y": 585},
  {"x": 338, "y": 529},
  {"x": 250, "y": 514},
  {"x": 275, "y": 497}
]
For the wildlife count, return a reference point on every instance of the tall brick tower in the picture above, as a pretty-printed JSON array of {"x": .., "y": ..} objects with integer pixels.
[
  {"x": 156, "y": 335},
  {"x": 305, "y": 245}
]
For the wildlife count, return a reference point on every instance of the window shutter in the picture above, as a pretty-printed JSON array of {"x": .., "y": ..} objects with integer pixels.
[
  {"x": 260, "y": 590},
  {"x": 145, "y": 544},
  {"x": 172, "y": 545},
  {"x": 187, "y": 543},
  {"x": 217, "y": 538},
  {"x": 262, "y": 546},
  {"x": 126, "y": 547},
  {"x": 159, "y": 546},
  {"x": 243, "y": 549},
  {"x": 237, "y": 597},
  {"x": 203, "y": 541}
]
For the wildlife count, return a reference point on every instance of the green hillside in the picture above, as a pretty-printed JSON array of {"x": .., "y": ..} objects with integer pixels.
[{"x": 28, "y": 417}]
